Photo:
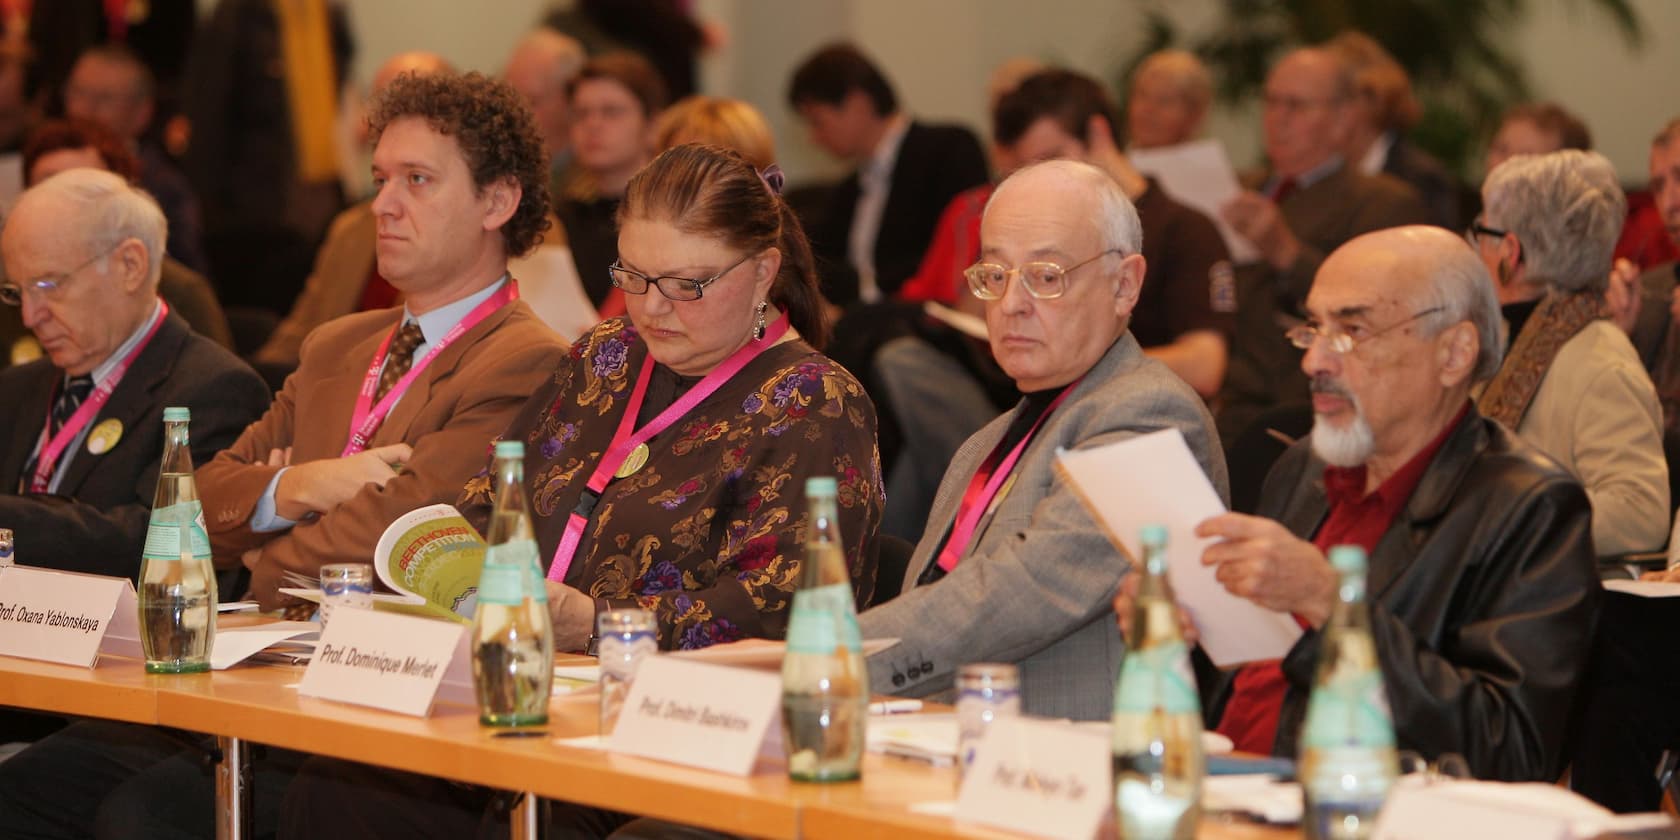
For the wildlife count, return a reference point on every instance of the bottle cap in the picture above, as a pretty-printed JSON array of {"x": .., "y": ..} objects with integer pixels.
[
  {"x": 177, "y": 414},
  {"x": 1347, "y": 559},
  {"x": 822, "y": 485},
  {"x": 510, "y": 449},
  {"x": 1153, "y": 535}
]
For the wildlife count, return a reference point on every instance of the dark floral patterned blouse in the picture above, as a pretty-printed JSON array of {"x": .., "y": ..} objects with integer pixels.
[{"x": 709, "y": 534}]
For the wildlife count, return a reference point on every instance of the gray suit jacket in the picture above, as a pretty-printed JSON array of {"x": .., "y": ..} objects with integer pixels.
[{"x": 1035, "y": 585}]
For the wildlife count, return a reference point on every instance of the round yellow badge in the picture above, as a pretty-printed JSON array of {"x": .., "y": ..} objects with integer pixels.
[
  {"x": 633, "y": 462},
  {"x": 104, "y": 436}
]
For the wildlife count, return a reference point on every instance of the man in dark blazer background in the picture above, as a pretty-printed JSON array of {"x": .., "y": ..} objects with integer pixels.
[
  {"x": 83, "y": 253},
  {"x": 871, "y": 234}
]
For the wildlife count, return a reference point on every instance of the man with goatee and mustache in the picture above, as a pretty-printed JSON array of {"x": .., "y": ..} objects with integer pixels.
[{"x": 1482, "y": 585}]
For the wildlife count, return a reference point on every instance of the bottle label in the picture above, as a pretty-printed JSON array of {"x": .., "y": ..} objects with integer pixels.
[
  {"x": 501, "y": 584},
  {"x": 1348, "y": 710},
  {"x": 163, "y": 538},
  {"x": 1157, "y": 677},
  {"x": 525, "y": 578},
  {"x": 823, "y": 621}
]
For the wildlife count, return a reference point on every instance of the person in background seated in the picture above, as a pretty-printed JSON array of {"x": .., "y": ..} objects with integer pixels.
[
  {"x": 878, "y": 220},
  {"x": 542, "y": 65},
  {"x": 462, "y": 185},
  {"x": 110, "y": 85},
  {"x": 717, "y": 121},
  {"x": 346, "y": 277},
  {"x": 615, "y": 98},
  {"x": 1572, "y": 384},
  {"x": 1167, "y": 103},
  {"x": 1309, "y": 201},
  {"x": 1384, "y": 111},
  {"x": 1483, "y": 590},
  {"x": 59, "y": 145},
  {"x": 83, "y": 428},
  {"x": 706, "y": 529},
  {"x": 1025, "y": 575}
]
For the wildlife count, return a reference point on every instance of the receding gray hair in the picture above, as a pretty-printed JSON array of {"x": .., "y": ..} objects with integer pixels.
[
  {"x": 1117, "y": 220},
  {"x": 105, "y": 210},
  {"x": 1460, "y": 285},
  {"x": 1566, "y": 209}
]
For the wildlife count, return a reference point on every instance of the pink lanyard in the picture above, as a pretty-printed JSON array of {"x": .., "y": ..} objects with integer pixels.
[
  {"x": 367, "y": 418},
  {"x": 624, "y": 441},
  {"x": 983, "y": 488},
  {"x": 47, "y": 464}
]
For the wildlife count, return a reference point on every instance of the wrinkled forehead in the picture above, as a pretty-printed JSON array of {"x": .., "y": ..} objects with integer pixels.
[
  {"x": 1044, "y": 217},
  {"x": 1365, "y": 283}
]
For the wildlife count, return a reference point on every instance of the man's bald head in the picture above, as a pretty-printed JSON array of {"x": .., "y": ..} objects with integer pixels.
[
  {"x": 542, "y": 64},
  {"x": 1433, "y": 268},
  {"x": 416, "y": 61},
  {"x": 1308, "y": 110}
]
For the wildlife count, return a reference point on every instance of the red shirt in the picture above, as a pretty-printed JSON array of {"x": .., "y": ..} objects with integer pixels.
[
  {"x": 1251, "y": 715},
  {"x": 955, "y": 247}
]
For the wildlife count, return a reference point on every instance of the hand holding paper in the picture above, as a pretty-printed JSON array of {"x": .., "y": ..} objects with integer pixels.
[
  {"x": 1260, "y": 560},
  {"x": 1154, "y": 479}
]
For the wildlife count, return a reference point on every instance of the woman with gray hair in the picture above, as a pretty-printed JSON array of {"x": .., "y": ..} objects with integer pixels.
[{"x": 1571, "y": 383}]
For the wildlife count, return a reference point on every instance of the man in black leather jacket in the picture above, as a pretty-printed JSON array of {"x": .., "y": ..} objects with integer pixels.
[{"x": 1482, "y": 585}]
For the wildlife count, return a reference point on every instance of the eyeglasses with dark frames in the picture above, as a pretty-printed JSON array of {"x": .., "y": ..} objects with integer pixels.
[{"x": 633, "y": 282}]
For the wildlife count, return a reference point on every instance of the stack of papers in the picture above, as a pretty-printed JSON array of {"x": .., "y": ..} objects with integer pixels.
[{"x": 930, "y": 738}]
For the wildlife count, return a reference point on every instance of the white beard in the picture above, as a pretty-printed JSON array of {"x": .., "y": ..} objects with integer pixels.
[{"x": 1343, "y": 447}]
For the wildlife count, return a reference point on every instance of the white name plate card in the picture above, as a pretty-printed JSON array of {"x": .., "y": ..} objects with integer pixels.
[
  {"x": 1049, "y": 779},
  {"x": 384, "y": 660},
  {"x": 66, "y": 617},
  {"x": 708, "y": 716}
]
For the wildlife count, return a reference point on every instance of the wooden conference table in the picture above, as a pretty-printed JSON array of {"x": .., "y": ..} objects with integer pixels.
[{"x": 261, "y": 704}]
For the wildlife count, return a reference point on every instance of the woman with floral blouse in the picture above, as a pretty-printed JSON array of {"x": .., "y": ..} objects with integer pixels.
[{"x": 666, "y": 458}]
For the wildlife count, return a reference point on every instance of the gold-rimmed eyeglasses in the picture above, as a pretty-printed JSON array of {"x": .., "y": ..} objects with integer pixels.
[{"x": 1042, "y": 280}]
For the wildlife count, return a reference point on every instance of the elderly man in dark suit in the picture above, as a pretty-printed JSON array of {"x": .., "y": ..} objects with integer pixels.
[
  {"x": 83, "y": 429},
  {"x": 1482, "y": 584},
  {"x": 1025, "y": 575}
]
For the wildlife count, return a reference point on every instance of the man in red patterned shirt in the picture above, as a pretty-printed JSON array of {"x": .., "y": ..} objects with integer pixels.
[{"x": 1482, "y": 584}]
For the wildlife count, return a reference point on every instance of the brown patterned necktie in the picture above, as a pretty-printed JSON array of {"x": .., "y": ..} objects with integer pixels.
[{"x": 399, "y": 358}]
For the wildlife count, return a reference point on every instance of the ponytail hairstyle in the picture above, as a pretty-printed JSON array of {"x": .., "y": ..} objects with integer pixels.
[{"x": 713, "y": 192}]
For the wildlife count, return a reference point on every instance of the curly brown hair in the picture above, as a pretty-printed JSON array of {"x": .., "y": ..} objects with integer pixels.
[{"x": 493, "y": 127}]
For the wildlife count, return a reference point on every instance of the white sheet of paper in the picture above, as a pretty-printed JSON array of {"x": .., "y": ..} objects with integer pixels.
[
  {"x": 548, "y": 283},
  {"x": 1198, "y": 173},
  {"x": 1045, "y": 778},
  {"x": 930, "y": 737},
  {"x": 1644, "y": 588},
  {"x": 236, "y": 644},
  {"x": 709, "y": 716},
  {"x": 65, "y": 617},
  {"x": 1153, "y": 479},
  {"x": 1471, "y": 810}
]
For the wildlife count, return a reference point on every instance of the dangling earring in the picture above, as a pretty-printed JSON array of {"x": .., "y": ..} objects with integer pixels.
[{"x": 759, "y": 326}]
